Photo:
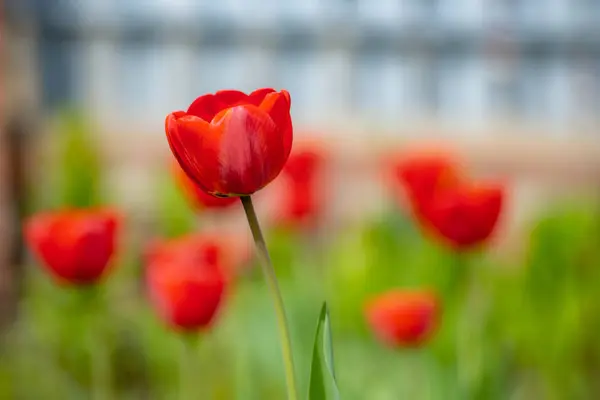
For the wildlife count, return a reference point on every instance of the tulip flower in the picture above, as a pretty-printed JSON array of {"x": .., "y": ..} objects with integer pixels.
[
  {"x": 229, "y": 251},
  {"x": 466, "y": 215},
  {"x": 234, "y": 144},
  {"x": 444, "y": 201},
  {"x": 198, "y": 197},
  {"x": 403, "y": 318},
  {"x": 186, "y": 282},
  {"x": 75, "y": 246},
  {"x": 303, "y": 166},
  {"x": 421, "y": 175},
  {"x": 230, "y": 143},
  {"x": 300, "y": 204}
]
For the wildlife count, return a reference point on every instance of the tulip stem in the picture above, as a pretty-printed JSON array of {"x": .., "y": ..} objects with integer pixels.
[
  {"x": 271, "y": 278},
  {"x": 187, "y": 367},
  {"x": 100, "y": 371},
  {"x": 99, "y": 353}
]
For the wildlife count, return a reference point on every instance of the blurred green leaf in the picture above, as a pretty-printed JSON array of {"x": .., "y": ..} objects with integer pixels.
[
  {"x": 322, "y": 376},
  {"x": 78, "y": 168},
  {"x": 175, "y": 217}
]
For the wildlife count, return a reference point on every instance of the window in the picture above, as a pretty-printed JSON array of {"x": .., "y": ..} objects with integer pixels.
[
  {"x": 143, "y": 81},
  {"x": 461, "y": 88},
  {"x": 382, "y": 11},
  {"x": 386, "y": 85},
  {"x": 219, "y": 68},
  {"x": 296, "y": 71},
  {"x": 461, "y": 13}
]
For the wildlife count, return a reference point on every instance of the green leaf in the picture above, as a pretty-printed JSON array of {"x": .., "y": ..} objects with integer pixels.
[
  {"x": 322, "y": 376},
  {"x": 80, "y": 172}
]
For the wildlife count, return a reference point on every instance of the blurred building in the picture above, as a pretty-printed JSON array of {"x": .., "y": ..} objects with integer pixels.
[{"x": 464, "y": 62}]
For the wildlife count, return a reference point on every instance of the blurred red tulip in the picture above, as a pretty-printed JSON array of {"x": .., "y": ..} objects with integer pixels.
[
  {"x": 422, "y": 174},
  {"x": 465, "y": 215},
  {"x": 303, "y": 166},
  {"x": 403, "y": 318},
  {"x": 186, "y": 281},
  {"x": 301, "y": 204},
  {"x": 230, "y": 143},
  {"x": 198, "y": 197},
  {"x": 443, "y": 200},
  {"x": 75, "y": 246},
  {"x": 197, "y": 248},
  {"x": 232, "y": 252}
]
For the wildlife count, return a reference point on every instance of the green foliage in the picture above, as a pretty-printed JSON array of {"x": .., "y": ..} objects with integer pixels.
[
  {"x": 175, "y": 216},
  {"x": 524, "y": 328},
  {"x": 322, "y": 374},
  {"x": 78, "y": 173}
]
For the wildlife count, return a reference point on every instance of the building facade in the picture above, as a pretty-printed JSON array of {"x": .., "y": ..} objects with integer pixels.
[{"x": 464, "y": 62}]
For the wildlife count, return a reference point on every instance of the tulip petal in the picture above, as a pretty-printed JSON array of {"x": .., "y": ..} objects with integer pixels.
[
  {"x": 277, "y": 105},
  {"x": 258, "y": 96},
  {"x": 229, "y": 98},
  {"x": 204, "y": 107},
  {"x": 250, "y": 149},
  {"x": 196, "y": 195},
  {"x": 207, "y": 106},
  {"x": 195, "y": 144}
]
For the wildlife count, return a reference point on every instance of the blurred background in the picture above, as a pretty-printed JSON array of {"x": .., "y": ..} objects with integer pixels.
[{"x": 513, "y": 86}]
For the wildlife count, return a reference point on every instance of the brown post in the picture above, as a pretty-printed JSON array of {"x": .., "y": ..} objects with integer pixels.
[
  {"x": 14, "y": 191},
  {"x": 17, "y": 101}
]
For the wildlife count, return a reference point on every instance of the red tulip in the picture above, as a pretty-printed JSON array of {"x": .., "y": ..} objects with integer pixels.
[
  {"x": 75, "y": 246},
  {"x": 423, "y": 174},
  {"x": 465, "y": 215},
  {"x": 199, "y": 198},
  {"x": 186, "y": 281},
  {"x": 230, "y": 143},
  {"x": 403, "y": 318},
  {"x": 229, "y": 251},
  {"x": 301, "y": 204},
  {"x": 201, "y": 249},
  {"x": 303, "y": 166}
]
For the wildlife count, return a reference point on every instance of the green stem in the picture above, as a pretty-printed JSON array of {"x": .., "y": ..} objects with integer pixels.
[
  {"x": 187, "y": 367},
  {"x": 100, "y": 361},
  {"x": 462, "y": 294},
  {"x": 100, "y": 372},
  {"x": 271, "y": 278}
]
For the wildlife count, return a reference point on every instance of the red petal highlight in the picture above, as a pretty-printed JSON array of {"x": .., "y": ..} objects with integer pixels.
[{"x": 250, "y": 146}]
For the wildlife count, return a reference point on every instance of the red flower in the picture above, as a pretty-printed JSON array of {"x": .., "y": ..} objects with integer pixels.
[
  {"x": 403, "y": 318},
  {"x": 186, "y": 281},
  {"x": 199, "y": 198},
  {"x": 301, "y": 203},
  {"x": 421, "y": 175},
  {"x": 230, "y": 143},
  {"x": 465, "y": 215},
  {"x": 74, "y": 245},
  {"x": 303, "y": 166}
]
